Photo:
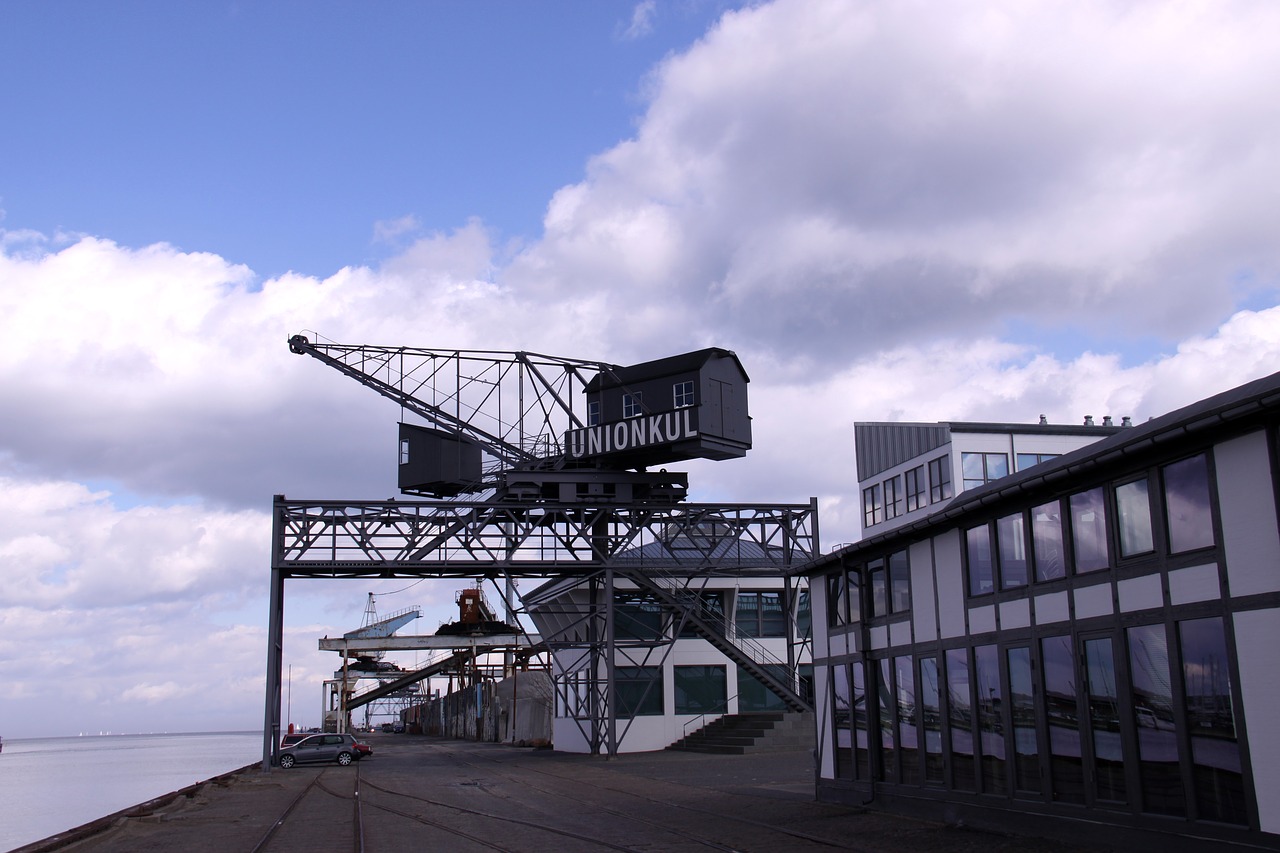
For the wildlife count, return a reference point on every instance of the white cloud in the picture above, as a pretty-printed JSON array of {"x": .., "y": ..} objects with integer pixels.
[
  {"x": 641, "y": 23},
  {"x": 867, "y": 202}
]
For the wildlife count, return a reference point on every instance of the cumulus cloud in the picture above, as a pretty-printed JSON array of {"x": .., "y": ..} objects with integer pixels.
[
  {"x": 878, "y": 206},
  {"x": 813, "y": 172}
]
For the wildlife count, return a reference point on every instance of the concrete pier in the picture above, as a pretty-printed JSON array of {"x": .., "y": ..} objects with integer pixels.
[{"x": 423, "y": 793}]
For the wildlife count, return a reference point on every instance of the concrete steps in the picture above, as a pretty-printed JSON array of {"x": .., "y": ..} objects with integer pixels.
[{"x": 738, "y": 734}]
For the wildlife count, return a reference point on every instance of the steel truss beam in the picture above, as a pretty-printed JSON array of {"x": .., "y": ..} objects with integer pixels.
[
  {"x": 449, "y": 539},
  {"x": 457, "y": 539}
]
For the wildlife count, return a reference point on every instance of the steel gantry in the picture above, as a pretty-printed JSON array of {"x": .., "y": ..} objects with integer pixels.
[{"x": 594, "y": 519}]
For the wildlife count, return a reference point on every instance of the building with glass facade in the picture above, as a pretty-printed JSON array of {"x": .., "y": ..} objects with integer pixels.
[
  {"x": 668, "y": 680},
  {"x": 908, "y": 470},
  {"x": 1080, "y": 648}
]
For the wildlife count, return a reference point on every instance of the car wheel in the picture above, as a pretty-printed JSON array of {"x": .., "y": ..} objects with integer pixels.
[
  {"x": 286, "y": 761},
  {"x": 344, "y": 758}
]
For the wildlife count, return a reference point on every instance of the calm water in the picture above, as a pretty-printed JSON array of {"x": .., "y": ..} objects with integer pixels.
[{"x": 48, "y": 785}]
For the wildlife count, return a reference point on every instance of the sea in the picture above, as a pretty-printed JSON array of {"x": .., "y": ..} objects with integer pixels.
[{"x": 50, "y": 785}]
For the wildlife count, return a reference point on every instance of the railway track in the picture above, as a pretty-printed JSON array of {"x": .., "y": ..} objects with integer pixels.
[{"x": 307, "y": 823}]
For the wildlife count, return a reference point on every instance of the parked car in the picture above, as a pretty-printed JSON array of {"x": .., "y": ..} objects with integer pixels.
[
  {"x": 343, "y": 749},
  {"x": 291, "y": 739}
]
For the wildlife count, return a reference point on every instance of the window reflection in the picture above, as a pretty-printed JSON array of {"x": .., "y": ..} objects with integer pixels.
[
  {"x": 1066, "y": 769},
  {"x": 1046, "y": 537},
  {"x": 1104, "y": 719},
  {"x": 960, "y": 717},
  {"x": 888, "y": 708},
  {"x": 1186, "y": 502},
  {"x": 861, "y": 753},
  {"x": 1133, "y": 510},
  {"x": 842, "y": 721},
  {"x": 1215, "y": 754},
  {"x": 981, "y": 571},
  {"x": 908, "y": 738},
  {"x": 931, "y": 719},
  {"x": 1012, "y": 541},
  {"x": 1152, "y": 691},
  {"x": 995, "y": 778},
  {"x": 1022, "y": 710},
  {"x": 1089, "y": 531}
]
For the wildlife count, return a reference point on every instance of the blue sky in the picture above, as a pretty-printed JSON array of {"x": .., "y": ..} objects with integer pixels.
[
  {"x": 278, "y": 133},
  {"x": 889, "y": 211}
]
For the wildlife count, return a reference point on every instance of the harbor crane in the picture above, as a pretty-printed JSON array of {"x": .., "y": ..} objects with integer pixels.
[{"x": 538, "y": 466}]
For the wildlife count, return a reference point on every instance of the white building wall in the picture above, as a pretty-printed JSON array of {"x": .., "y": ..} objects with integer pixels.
[
  {"x": 950, "y": 580},
  {"x": 1251, "y": 541},
  {"x": 1257, "y": 638},
  {"x": 924, "y": 598}
]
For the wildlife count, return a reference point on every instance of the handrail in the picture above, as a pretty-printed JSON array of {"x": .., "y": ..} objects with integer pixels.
[{"x": 685, "y": 729}]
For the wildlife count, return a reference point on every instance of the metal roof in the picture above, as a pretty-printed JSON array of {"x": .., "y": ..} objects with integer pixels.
[{"x": 656, "y": 369}]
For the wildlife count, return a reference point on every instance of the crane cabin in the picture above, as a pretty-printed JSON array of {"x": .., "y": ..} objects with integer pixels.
[{"x": 690, "y": 406}]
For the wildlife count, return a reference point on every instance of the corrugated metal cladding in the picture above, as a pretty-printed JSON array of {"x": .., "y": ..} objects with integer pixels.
[{"x": 881, "y": 446}]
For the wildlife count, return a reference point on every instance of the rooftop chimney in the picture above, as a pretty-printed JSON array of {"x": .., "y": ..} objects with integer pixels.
[
  {"x": 1088, "y": 420},
  {"x": 1106, "y": 420},
  {"x": 1043, "y": 420},
  {"x": 1126, "y": 421}
]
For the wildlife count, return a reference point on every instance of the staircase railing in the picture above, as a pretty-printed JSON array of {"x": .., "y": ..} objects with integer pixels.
[{"x": 743, "y": 649}]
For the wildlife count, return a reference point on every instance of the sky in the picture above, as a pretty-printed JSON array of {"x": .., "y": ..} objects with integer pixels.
[{"x": 889, "y": 211}]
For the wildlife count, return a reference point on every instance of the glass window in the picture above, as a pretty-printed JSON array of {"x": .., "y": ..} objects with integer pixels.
[
  {"x": 908, "y": 737},
  {"x": 1104, "y": 719},
  {"x": 872, "y": 506},
  {"x": 1011, "y": 539},
  {"x": 1022, "y": 711},
  {"x": 879, "y": 596},
  {"x": 1215, "y": 753},
  {"x": 915, "y": 489},
  {"x": 861, "y": 749},
  {"x": 760, "y": 614},
  {"x": 710, "y": 608},
  {"x": 804, "y": 615},
  {"x": 638, "y": 690},
  {"x": 683, "y": 393},
  {"x": 960, "y": 719},
  {"x": 981, "y": 570},
  {"x": 1186, "y": 505},
  {"x": 637, "y": 616},
  {"x": 939, "y": 479},
  {"x": 701, "y": 689},
  {"x": 1089, "y": 531},
  {"x": 754, "y": 696},
  {"x": 1046, "y": 539},
  {"x": 931, "y": 719},
  {"x": 842, "y": 721},
  {"x": 982, "y": 468},
  {"x": 1153, "y": 709},
  {"x": 991, "y": 702},
  {"x": 1066, "y": 768},
  {"x": 1026, "y": 460},
  {"x": 888, "y": 708},
  {"x": 837, "y": 600},
  {"x": 899, "y": 582},
  {"x": 633, "y": 404},
  {"x": 892, "y": 498},
  {"x": 1133, "y": 514},
  {"x": 404, "y": 451},
  {"x": 593, "y": 413}
]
